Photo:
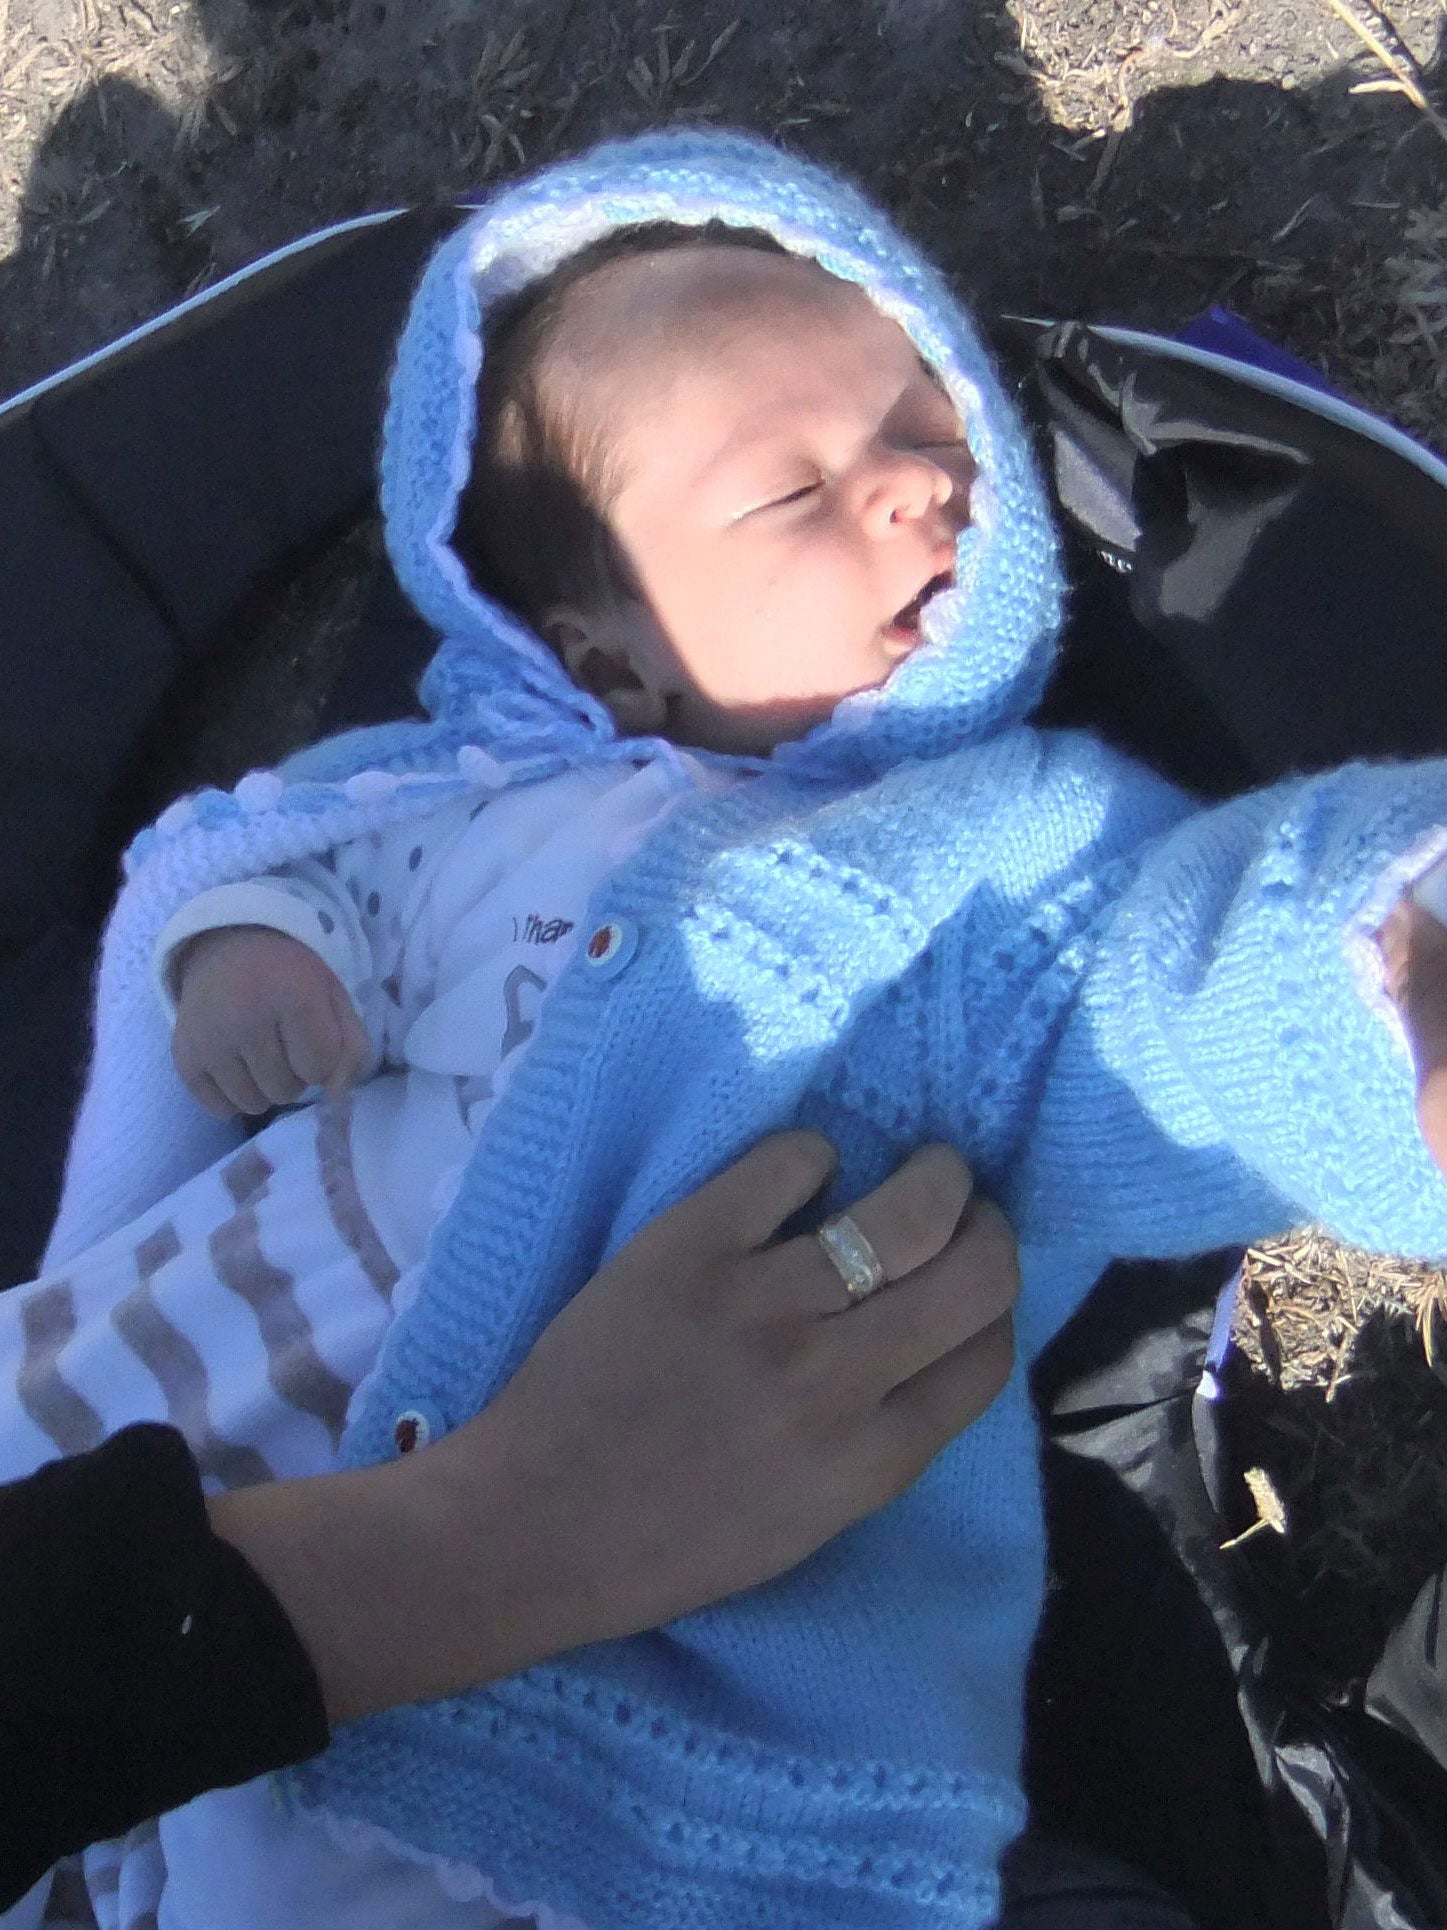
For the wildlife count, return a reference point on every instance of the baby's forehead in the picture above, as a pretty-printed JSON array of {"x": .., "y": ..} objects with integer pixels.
[
  {"x": 698, "y": 276},
  {"x": 671, "y": 309},
  {"x": 650, "y": 339}
]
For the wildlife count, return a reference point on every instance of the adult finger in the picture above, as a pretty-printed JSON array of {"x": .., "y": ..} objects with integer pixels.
[
  {"x": 906, "y": 1327},
  {"x": 942, "y": 1400},
  {"x": 744, "y": 1206},
  {"x": 907, "y": 1220}
]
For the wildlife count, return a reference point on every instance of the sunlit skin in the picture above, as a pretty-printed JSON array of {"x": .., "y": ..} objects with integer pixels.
[{"x": 793, "y": 479}]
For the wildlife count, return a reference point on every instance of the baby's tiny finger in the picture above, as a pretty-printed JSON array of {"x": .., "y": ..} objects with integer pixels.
[
  {"x": 239, "y": 1087},
  {"x": 270, "y": 1067},
  {"x": 312, "y": 1042},
  {"x": 356, "y": 1048},
  {"x": 205, "y": 1091}
]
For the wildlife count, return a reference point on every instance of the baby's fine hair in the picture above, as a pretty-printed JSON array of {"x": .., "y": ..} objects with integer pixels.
[{"x": 532, "y": 523}]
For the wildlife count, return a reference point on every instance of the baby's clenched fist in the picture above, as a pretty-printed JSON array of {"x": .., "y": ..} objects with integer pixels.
[{"x": 259, "y": 1019}]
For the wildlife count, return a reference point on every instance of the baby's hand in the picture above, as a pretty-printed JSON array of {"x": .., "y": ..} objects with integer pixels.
[
  {"x": 1414, "y": 953},
  {"x": 259, "y": 1019}
]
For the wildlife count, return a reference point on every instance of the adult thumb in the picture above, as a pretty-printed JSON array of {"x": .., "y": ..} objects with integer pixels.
[{"x": 1423, "y": 1001}]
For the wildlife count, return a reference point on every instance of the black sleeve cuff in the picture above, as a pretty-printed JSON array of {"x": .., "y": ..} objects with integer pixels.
[{"x": 143, "y": 1660}]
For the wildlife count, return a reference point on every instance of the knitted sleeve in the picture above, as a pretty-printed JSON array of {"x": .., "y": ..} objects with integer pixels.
[{"x": 1225, "y": 1060}]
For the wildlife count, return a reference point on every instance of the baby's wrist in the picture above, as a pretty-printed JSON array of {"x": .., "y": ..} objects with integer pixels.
[
  {"x": 184, "y": 956},
  {"x": 228, "y": 912}
]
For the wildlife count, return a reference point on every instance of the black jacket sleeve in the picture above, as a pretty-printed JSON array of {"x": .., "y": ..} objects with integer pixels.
[{"x": 142, "y": 1659}]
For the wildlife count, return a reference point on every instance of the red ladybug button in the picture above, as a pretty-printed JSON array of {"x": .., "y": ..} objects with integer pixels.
[{"x": 610, "y": 946}]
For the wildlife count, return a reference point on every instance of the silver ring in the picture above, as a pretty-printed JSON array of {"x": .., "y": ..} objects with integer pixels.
[{"x": 852, "y": 1257}]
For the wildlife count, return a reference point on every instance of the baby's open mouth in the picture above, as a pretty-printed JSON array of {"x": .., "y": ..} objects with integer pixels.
[{"x": 903, "y": 627}]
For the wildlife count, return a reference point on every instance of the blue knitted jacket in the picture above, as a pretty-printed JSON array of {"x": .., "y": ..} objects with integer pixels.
[{"x": 1152, "y": 1029}]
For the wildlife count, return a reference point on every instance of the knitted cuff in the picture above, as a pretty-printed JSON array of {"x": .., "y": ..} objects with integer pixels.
[{"x": 278, "y": 907}]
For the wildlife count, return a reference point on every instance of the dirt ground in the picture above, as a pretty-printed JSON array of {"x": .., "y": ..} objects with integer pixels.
[
  {"x": 1068, "y": 156},
  {"x": 1065, "y": 157}
]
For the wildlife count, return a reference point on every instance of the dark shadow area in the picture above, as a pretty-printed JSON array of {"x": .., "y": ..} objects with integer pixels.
[
  {"x": 1361, "y": 1470},
  {"x": 1129, "y": 1630},
  {"x": 1215, "y": 1692},
  {"x": 1283, "y": 199}
]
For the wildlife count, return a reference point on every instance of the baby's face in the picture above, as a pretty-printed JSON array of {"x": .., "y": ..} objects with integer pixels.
[{"x": 794, "y": 482}]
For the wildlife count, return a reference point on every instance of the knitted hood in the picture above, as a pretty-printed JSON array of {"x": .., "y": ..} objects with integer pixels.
[
  {"x": 500, "y": 708},
  {"x": 987, "y": 642}
]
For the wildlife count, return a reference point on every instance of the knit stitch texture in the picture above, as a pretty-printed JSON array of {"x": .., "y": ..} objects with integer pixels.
[{"x": 1151, "y": 1030}]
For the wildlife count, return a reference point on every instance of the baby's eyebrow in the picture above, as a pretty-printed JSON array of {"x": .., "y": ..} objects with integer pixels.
[
  {"x": 937, "y": 383},
  {"x": 740, "y": 448}
]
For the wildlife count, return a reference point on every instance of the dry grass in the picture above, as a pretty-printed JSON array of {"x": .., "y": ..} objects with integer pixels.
[
  {"x": 1135, "y": 50},
  {"x": 1412, "y": 356},
  {"x": 1345, "y": 1409},
  {"x": 52, "y": 55},
  {"x": 1307, "y": 1300}
]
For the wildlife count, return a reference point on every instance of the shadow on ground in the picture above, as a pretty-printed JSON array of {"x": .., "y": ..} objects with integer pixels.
[{"x": 1283, "y": 199}]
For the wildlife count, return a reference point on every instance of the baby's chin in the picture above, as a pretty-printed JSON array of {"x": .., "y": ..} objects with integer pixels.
[{"x": 758, "y": 728}]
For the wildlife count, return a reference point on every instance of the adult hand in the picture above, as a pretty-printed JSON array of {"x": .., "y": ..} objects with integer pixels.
[
  {"x": 706, "y": 1412},
  {"x": 1414, "y": 953}
]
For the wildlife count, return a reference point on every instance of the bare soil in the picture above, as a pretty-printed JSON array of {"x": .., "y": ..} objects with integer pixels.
[
  {"x": 1062, "y": 157},
  {"x": 1066, "y": 156}
]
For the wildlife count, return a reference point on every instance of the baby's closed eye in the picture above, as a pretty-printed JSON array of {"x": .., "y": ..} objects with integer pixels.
[
  {"x": 796, "y": 495},
  {"x": 779, "y": 496}
]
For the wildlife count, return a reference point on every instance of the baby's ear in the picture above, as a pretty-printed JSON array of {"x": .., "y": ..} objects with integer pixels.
[
  {"x": 564, "y": 628},
  {"x": 585, "y": 643},
  {"x": 598, "y": 653}
]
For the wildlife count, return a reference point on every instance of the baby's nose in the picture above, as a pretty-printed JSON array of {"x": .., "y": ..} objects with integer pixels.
[{"x": 908, "y": 484}]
